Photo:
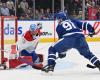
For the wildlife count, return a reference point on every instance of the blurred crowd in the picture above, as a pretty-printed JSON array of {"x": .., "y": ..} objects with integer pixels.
[
  {"x": 92, "y": 9},
  {"x": 24, "y": 9}
]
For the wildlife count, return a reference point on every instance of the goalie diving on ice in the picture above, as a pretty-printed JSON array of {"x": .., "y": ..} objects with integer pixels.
[
  {"x": 70, "y": 36},
  {"x": 28, "y": 44}
]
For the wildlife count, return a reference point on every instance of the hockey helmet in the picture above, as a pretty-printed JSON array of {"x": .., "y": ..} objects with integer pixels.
[
  {"x": 33, "y": 27},
  {"x": 61, "y": 15}
]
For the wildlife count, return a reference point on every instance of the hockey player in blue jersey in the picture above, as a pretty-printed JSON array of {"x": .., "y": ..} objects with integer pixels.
[{"x": 70, "y": 36}]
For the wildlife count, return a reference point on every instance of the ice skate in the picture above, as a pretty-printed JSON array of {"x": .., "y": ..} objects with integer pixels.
[
  {"x": 94, "y": 66},
  {"x": 98, "y": 66},
  {"x": 48, "y": 68}
]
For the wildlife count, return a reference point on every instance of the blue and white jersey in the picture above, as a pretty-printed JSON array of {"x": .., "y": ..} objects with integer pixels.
[{"x": 69, "y": 28}]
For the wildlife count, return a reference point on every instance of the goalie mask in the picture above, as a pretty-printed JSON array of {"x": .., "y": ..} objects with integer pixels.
[{"x": 33, "y": 27}]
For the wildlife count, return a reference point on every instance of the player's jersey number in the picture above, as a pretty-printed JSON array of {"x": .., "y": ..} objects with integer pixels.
[{"x": 68, "y": 25}]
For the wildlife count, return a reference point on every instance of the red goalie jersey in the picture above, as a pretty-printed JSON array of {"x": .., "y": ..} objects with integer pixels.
[
  {"x": 30, "y": 37},
  {"x": 29, "y": 40}
]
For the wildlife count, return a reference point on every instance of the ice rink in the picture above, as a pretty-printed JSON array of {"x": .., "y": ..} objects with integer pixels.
[{"x": 72, "y": 67}]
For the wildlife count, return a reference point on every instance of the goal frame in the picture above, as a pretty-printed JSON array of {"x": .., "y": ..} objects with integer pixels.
[{"x": 2, "y": 33}]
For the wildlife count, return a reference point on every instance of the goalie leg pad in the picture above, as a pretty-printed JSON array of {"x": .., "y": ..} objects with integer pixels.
[
  {"x": 40, "y": 57},
  {"x": 29, "y": 58}
]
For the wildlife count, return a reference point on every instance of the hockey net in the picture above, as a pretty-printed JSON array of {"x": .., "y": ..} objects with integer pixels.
[{"x": 8, "y": 35}]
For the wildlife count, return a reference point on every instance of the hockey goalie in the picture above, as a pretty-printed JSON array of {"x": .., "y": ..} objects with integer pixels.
[{"x": 26, "y": 47}]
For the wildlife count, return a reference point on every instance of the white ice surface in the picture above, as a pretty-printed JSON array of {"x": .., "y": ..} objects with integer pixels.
[{"x": 73, "y": 67}]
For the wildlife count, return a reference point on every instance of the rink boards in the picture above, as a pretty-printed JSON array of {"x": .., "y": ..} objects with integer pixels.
[{"x": 49, "y": 30}]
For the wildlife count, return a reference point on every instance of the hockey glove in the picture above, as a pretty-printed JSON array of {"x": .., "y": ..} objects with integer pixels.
[
  {"x": 62, "y": 55},
  {"x": 91, "y": 34}
]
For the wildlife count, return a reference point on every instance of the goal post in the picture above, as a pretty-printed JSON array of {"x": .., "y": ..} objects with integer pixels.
[{"x": 8, "y": 34}]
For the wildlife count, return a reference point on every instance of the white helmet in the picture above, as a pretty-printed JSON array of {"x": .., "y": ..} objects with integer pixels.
[{"x": 33, "y": 27}]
